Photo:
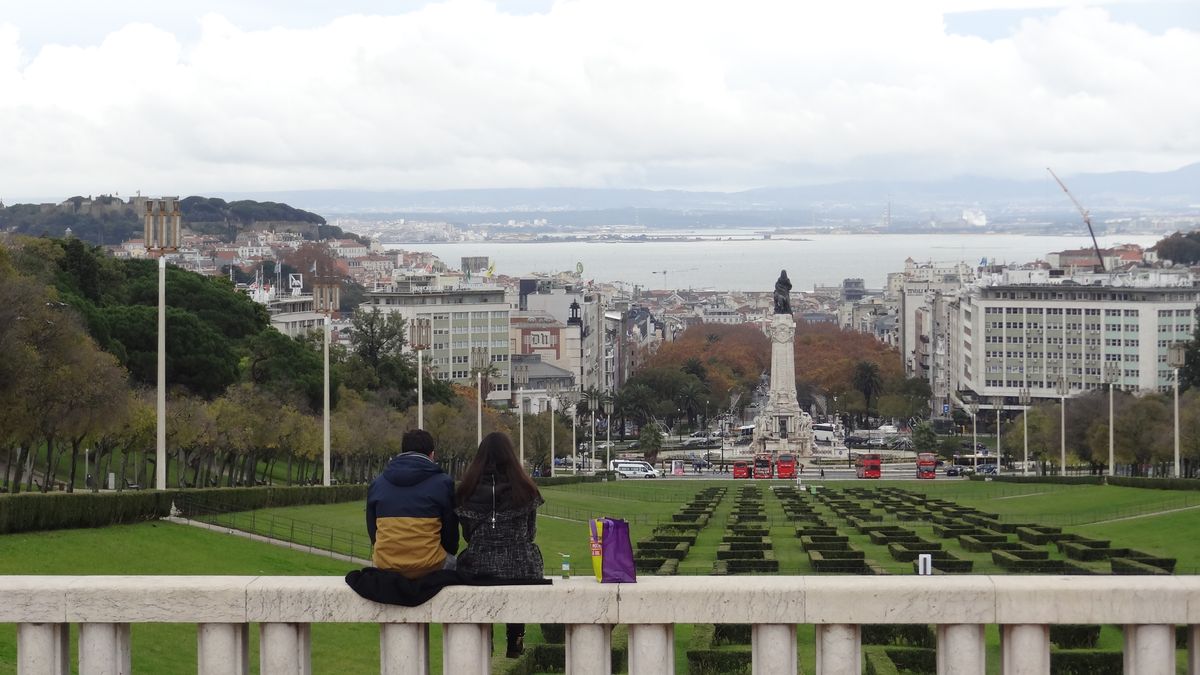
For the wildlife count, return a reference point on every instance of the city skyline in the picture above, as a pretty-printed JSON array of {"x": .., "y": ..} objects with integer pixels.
[{"x": 461, "y": 94}]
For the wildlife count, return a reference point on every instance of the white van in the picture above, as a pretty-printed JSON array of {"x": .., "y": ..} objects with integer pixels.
[{"x": 634, "y": 469}]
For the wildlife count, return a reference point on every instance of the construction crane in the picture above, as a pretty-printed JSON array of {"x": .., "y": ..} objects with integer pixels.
[
  {"x": 1087, "y": 217},
  {"x": 666, "y": 272}
]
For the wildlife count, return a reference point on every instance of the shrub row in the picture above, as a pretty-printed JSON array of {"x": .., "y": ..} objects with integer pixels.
[
  {"x": 911, "y": 635},
  {"x": 1132, "y": 566},
  {"x": 1074, "y": 635},
  {"x": 1086, "y": 662},
  {"x": 1156, "y": 483},
  {"x": 31, "y": 512},
  {"x": 1011, "y": 562},
  {"x": 1038, "y": 535}
]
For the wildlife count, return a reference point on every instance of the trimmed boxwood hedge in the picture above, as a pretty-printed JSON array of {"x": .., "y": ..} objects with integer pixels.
[
  {"x": 1130, "y": 566},
  {"x": 876, "y": 662},
  {"x": 1086, "y": 662},
  {"x": 912, "y": 635},
  {"x": 1156, "y": 483},
  {"x": 31, "y": 512},
  {"x": 1075, "y": 635}
]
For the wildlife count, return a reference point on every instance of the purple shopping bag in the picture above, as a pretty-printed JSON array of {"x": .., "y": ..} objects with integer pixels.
[{"x": 617, "y": 565}]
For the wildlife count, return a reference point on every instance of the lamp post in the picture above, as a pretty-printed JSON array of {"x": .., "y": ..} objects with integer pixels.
[
  {"x": 421, "y": 335},
  {"x": 998, "y": 402},
  {"x": 479, "y": 361},
  {"x": 1025, "y": 398},
  {"x": 1062, "y": 424},
  {"x": 608, "y": 409},
  {"x": 1177, "y": 358},
  {"x": 326, "y": 461},
  {"x": 1112, "y": 374},
  {"x": 571, "y": 398},
  {"x": 521, "y": 415},
  {"x": 973, "y": 408},
  {"x": 552, "y": 391},
  {"x": 162, "y": 219}
]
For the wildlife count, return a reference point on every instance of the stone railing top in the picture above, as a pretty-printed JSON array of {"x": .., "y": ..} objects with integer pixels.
[{"x": 749, "y": 599}]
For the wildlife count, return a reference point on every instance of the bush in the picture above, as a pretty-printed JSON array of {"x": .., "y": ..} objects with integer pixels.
[
  {"x": 554, "y": 633},
  {"x": 914, "y": 659},
  {"x": 1074, "y": 635},
  {"x": 31, "y": 512},
  {"x": 1086, "y": 662},
  {"x": 876, "y": 662},
  {"x": 1156, "y": 483},
  {"x": 1132, "y": 566},
  {"x": 912, "y": 635},
  {"x": 566, "y": 480},
  {"x": 731, "y": 634}
]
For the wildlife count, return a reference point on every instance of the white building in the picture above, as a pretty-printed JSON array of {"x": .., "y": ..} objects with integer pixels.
[
  {"x": 469, "y": 322},
  {"x": 1029, "y": 328}
]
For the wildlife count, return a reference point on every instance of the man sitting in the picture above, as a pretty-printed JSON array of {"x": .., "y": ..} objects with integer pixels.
[{"x": 410, "y": 512}]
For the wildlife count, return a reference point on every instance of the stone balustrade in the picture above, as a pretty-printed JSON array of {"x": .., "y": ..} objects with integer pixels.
[{"x": 224, "y": 607}]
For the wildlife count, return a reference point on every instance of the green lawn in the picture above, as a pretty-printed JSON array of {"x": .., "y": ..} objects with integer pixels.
[{"x": 1128, "y": 516}]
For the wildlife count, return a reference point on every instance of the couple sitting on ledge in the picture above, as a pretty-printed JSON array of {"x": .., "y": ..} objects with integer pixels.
[{"x": 413, "y": 518}]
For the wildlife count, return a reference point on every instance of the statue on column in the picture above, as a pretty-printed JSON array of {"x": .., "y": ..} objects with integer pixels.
[{"x": 783, "y": 294}]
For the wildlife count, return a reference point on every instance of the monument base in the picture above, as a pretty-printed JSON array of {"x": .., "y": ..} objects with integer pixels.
[{"x": 782, "y": 427}]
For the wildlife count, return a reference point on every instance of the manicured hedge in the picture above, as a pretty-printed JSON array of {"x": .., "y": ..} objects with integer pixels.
[
  {"x": 876, "y": 662},
  {"x": 912, "y": 635},
  {"x": 1129, "y": 566},
  {"x": 1086, "y": 662},
  {"x": 569, "y": 480},
  {"x": 31, "y": 512},
  {"x": 1075, "y": 635},
  {"x": 913, "y": 659},
  {"x": 1156, "y": 483}
]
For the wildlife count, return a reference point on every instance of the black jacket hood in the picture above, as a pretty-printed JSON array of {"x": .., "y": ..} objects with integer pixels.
[{"x": 410, "y": 468}]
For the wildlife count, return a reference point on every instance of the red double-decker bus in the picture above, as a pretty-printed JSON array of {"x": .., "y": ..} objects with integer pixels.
[
  {"x": 764, "y": 465},
  {"x": 926, "y": 465},
  {"x": 785, "y": 466},
  {"x": 741, "y": 469},
  {"x": 868, "y": 465}
]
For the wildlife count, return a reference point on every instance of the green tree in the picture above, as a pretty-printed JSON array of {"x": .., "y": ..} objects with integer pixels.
[
  {"x": 650, "y": 441},
  {"x": 867, "y": 381},
  {"x": 924, "y": 438}
]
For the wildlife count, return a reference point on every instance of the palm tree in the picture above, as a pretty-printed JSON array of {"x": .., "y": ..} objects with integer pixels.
[
  {"x": 690, "y": 398},
  {"x": 867, "y": 380}
]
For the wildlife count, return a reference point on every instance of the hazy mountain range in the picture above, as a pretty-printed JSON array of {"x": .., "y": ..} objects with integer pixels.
[{"x": 1177, "y": 191}]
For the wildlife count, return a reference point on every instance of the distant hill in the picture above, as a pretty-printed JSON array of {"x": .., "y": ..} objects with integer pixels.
[
  {"x": 109, "y": 220},
  {"x": 1111, "y": 191}
]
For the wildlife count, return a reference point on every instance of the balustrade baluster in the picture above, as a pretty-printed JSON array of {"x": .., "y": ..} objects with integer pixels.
[
  {"x": 1024, "y": 648},
  {"x": 960, "y": 649},
  {"x": 1149, "y": 649},
  {"x": 284, "y": 649},
  {"x": 104, "y": 649},
  {"x": 223, "y": 649},
  {"x": 43, "y": 648},
  {"x": 404, "y": 649},
  {"x": 773, "y": 649},
  {"x": 467, "y": 648},
  {"x": 651, "y": 648},
  {"x": 589, "y": 649},
  {"x": 839, "y": 649}
]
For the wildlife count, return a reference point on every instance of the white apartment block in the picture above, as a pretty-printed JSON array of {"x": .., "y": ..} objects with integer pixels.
[
  {"x": 1027, "y": 329},
  {"x": 468, "y": 322}
]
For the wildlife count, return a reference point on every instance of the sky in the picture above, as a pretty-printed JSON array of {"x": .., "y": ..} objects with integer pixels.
[{"x": 188, "y": 97}]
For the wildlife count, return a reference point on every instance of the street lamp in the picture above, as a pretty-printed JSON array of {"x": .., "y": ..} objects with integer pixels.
[
  {"x": 973, "y": 408},
  {"x": 479, "y": 362},
  {"x": 521, "y": 415},
  {"x": 552, "y": 394},
  {"x": 1025, "y": 398},
  {"x": 608, "y": 409},
  {"x": 421, "y": 336},
  {"x": 1112, "y": 374},
  {"x": 1177, "y": 358},
  {"x": 1062, "y": 390},
  {"x": 162, "y": 219},
  {"x": 998, "y": 402}
]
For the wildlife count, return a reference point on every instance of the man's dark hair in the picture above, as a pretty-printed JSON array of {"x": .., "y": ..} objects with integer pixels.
[{"x": 417, "y": 440}]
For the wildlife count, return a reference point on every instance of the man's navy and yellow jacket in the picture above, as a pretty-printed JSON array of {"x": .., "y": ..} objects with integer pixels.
[{"x": 410, "y": 516}]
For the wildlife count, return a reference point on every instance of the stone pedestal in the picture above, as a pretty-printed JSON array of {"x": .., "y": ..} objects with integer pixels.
[{"x": 782, "y": 426}]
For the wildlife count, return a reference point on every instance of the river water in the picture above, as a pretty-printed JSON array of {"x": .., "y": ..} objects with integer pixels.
[{"x": 753, "y": 264}]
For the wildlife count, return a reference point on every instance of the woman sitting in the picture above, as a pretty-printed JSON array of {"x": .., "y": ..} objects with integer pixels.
[{"x": 497, "y": 508}]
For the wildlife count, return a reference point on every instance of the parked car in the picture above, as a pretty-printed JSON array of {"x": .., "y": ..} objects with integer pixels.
[
  {"x": 988, "y": 470},
  {"x": 953, "y": 470}
]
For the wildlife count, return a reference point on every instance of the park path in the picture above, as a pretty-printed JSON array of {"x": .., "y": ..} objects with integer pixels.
[{"x": 268, "y": 540}]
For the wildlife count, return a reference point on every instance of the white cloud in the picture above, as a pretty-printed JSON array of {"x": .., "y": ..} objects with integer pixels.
[{"x": 594, "y": 92}]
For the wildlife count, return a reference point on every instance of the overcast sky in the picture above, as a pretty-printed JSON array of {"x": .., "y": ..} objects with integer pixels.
[{"x": 186, "y": 97}]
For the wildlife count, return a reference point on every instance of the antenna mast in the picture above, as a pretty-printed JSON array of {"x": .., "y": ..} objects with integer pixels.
[{"x": 1087, "y": 217}]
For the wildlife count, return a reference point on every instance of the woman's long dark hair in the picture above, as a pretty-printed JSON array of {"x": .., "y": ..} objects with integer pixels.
[{"x": 496, "y": 455}]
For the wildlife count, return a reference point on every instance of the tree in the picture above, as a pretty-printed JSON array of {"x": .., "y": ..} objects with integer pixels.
[
  {"x": 867, "y": 381},
  {"x": 924, "y": 437},
  {"x": 650, "y": 441}
]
